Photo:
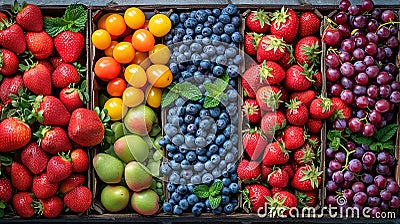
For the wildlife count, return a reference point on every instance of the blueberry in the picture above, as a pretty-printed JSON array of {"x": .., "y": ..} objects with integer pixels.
[
  {"x": 189, "y": 119},
  {"x": 191, "y": 156},
  {"x": 196, "y": 48},
  {"x": 220, "y": 139},
  {"x": 198, "y": 37},
  {"x": 237, "y": 37},
  {"x": 232, "y": 9},
  {"x": 221, "y": 124},
  {"x": 200, "y": 141},
  {"x": 234, "y": 151},
  {"x": 192, "y": 14},
  {"x": 177, "y": 210},
  {"x": 216, "y": 111},
  {"x": 201, "y": 151},
  {"x": 183, "y": 150},
  {"x": 189, "y": 140},
  {"x": 228, "y": 208},
  {"x": 207, "y": 24},
  {"x": 187, "y": 38},
  {"x": 224, "y": 18},
  {"x": 167, "y": 207},
  {"x": 232, "y": 167},
  {"x": 217, "y": 211},
  {"x": 215, "y": 39},
  {"x": 201, "y": 16},
  {"x": 226, "y": 181},
  {"x": 180, "y": 32},
  {"x": 225, "y": 191},
  {"x": 191, "y": 128},
  {"x": 165, "y": 169},
  {"x": 170, "y": 130},
  {"x": 220, "y": 49},
  {"x": 234, "y": 177},
  {"x": 212, "y": 19},
  {"x": 218, "y": 28},
  {"x": 227, "y": 131},
  {"x": 192, "y": 199},
  {"x": 224, "y": 199},
  {"x": 183, "y": 17},
  {"x": 228, "y": 145},
  {"x": 236, "y": 21},
  {"x": 195, "y": 179},
  {"x": 222, "y": 166},
  {"x": 207, "y": 203},
  {"x": 237, "y": 60},
  {"x": 198, "y": 29},
  {"x": 196, "y": 210},
  {"x": 216, "y": 12},
  {"x": 226, "y": 38},
  {"x": 174, "y": 165},
  {"x": 209, "y": 50},
  {"x": 202, "y": 159},
  {"x": 174, "y": 18},
  {"x": 182, "y": 189},
  {"x": 184, "y": 204},
  {"x": 178, "y": 157},
  {"x": 218, "y": 71},
  {"x": 215, "y": 159},
  {"x": 197, "y": 121},
  {"x": 210, "y": 138},
  {"x": 185, "y": 164},
  {"x": 234, "y": 187},
  {"x": 176, "y": 197},
  {"x": 171, "y": 187},
  {"x": 181, "y": 59},
  {"x": 190, "y": 188},
  {"x": 213, "y": 148},
  {"x": 171, "y": 148},
  {"x": 183, "y": 128},
  {"x": 209, "y": 154},
  {"x": 216, "y": 172},
  {"x": 209, "y": 165},
  {"x": 162, "y": 142},
  {"x": 207, "y": 178},
  {"x": 190, "y": 23},
  {"x": 229, "y": 28},
  {"x": 206, "y": 31},
  {"x": 234, "y": 202},
  {"x": 189, "y": 31}
]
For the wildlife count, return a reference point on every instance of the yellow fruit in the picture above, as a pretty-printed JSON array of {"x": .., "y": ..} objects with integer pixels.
[
  {"x": 159, "y": 54},
  {"x": 132, "y": 97},
  {"x": 135, "y": 75},
  {"x": 114, "y": 108},
  {"x": 153, "y": 96},
  {"x": 159, "y": 76}
]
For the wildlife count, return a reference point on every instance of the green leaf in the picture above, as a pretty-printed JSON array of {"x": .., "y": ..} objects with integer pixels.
[
  {"x": 168, "y": 97},
  {"x": 216, "y": 188},
  {"x": 221, "y": 85},
  {"x": 202, "y": 191},
  {"x": 386, "y": 133},
  {"x": 190, "y": 91},
  {"x": 1, "y": 78},
  {"x": 225, "y": 76},
  {"x": 390, "y": 145},
  {"x": 5, "y": 160},
  {"x": 335, "y": 143},
  {"x": 211, "y": 88},
  {"x": 74, "y": 19},
  {"x": 210, "y": 102},
  {"x": 361, "y": 139},
  {"x": 375, "y": 146},
  {"x": 1, "y": 212},
  {"x": 2, "y": 205},
  {"x": 333, "y": 134},
  {"x": 215, "y": 201},
  {"x": 54, "y": 26}
]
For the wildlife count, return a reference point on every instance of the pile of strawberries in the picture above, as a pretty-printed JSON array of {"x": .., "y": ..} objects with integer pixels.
[
  {"x": 43, "y": 125},
  {"x": 284, "y": 110}
]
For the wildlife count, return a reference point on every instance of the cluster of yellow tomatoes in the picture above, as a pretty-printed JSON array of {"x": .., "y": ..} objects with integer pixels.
[{"x": 133, "y": 64}]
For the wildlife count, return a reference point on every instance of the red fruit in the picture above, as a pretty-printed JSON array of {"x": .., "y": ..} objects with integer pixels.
[
  {"x": 309, "y": 24},
  {"x": 53, "y": 140},
  {"x": 59, "y": 168},
  {"x": 64, "y": 75},
  {"x": 296, "y": 113},
  {"x": 248, "y": 85},
  {"x": 10, "y": 85},
  {"x": 271, "y": 73},
  {"x": 8, "y": 62},
  {"x": 342, "y": 110},
  {"x": 271, "y": 122},
  {"x": 3, "y": 16},
  {"x": 56, "y": 61},
  {"x": 73, "y": 181},
  {"x": 331, "y": 36},
  {"x": 281, "y": 203},
  {"x": 322, "y": 108},
  {"x": 314, "y": 125},
  {"x": 34, "y": 158},
  {"x": 271, "y": 48},
  {"x": 74, "y": 98},
  {"x": 37, "y": 78},
  {"x": 287, "y": 59},
  {"x": 306, "y": 198},
  {"x": 306, "y": 97},
  {"x": 275, "y": 154},
  {"x": 269, "y": 98},
  {"x": 308, "y": 50},
  {"x": 278, "y": 178},
  {"x": 42, "y": 187},
  {"x": 50, "y": 207},
  {"x": 294, "y": 137},
  {"x": 79, "y": 199},
  {"x": 248, "y": 170},
  {"x": 30, "y": 17},
  {"x": 285, "y": 23},
  {"x": 298, "y": 78},
  {"x": 258, "y": 21},
  {"x": 23, "y": 204},
  {"x": 254, "y": 143},
  {"x": 5, "y": 190},
  {"x": 254, "y": 196},
  {"x": 46, "y": 64},
  {"x": 79, "y": 160},
  {"x": 40, "y": 44},
  {"x": 52, "y": 110},
  {"x": 251, "y": 41},
  {"x": 12, "y": 37},
  {"x": 304, "y": 155},
  {"x": 21, "y": 178},
  {"x": 289, "y": 170},
  {"x": 314, "y": 141},
  {"x": 306, "y": 178},
  {"x": 85, "y": 127},
  {"x": 69, "y": 45},
  {"x": 265, "y": 171},
  {"x": 14, "y": 134},
  {"x": 317, "y": 80},
  {"x": 275, "y": 190},
  {"x": 252, "y": 111}
]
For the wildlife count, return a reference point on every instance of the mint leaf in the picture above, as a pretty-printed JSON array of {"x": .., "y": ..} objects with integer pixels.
[
  {"x": 333, "y": 134},
  {"x": 335, "y": 143},
  {"x": 211, "y": 88},
  {"x": 190, "y": 91},
  {"x": 1, "y": 78},
  {"x": 168, "y": 97},
  {"x": 210, "y": 102},
  {"x": 201, "y": 191},
  {"x": 225, "y": 76},
  {"x": 386, "y": 133},
  {"x": 215, "y": 201},
  {"x": 2, "y": 205},
  {"x": 54, "y": 26},
  {"x": 221, "y": 85},
  {"x": 74, "y": 19},
  {"x": 361, "y": 139},
  {"x": 216, "y": 188},
  {"x": 388, "y": 145}
]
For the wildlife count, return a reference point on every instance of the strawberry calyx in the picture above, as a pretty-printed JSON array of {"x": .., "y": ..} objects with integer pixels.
[
  {"x": 246, "y": 198},
  {"x": 249, "y": 108},
  {"x": 81, "y": 90},
  {"x": 262, "y": 17},
  {"x": 302, "y": 199},
  {"x": 308, "y": 155},
  {"x": 4, "y": 24},
  {"x": 326, "y": 104},
  {"x": 293, "y": 105},
  {"x": 275, "y": 43},
  {"x": 41, "y": 133},
  {"x": 20, "y": 107},
  {"x": 255, "y": 38},
  {"x": 338, "y": 114},
  {"x": 265, "y": 71},
  {"x": 308, "y": 72},
  {"x": 312, "y": 174},
  {"x": 16, "y": 8},
  {"x": 275, "y": 205},
  {"x": 312, "y": 52},
  {"x": 290, "y": 50},
  {"x": 28, "y": 61},
  {"x": 65, "y": 156},
  {"x": 38, "y": 206},
  {"x": 272, "y": 99},
  {"x": 283, "y": 148},
  {"x": 105, "y": 119},
  {"x": 80, "y": 69},
  {"x": 279, "y": 16}
]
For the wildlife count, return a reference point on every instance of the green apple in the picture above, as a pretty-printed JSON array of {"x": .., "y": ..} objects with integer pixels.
[
  {"x": 114, "y": 198},
  {"x": 145, "y": 202}
]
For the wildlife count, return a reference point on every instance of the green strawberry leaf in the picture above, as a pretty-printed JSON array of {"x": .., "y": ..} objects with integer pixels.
[
  {"x": 2, "y": 205},
  {"x": 215, "y": 201},
  {"x": 216, "y": 188},
  {"x": 210, "y": 102},
  {"x": 386, "y": 133},
  {"x": 190, "y": 91},
  {"x": 5, "y": 160},
  {"x": 202, "y": 191},
  {"x": 1, "y": 78},
  {"x": 168, "y": 97},
  {"x": 361, "y": 139}
]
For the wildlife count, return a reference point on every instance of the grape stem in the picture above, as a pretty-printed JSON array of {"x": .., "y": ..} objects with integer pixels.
[{"x": 388, "y": 23}]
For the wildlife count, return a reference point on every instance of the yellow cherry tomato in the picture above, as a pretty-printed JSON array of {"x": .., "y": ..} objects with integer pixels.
[
  {"x": 153, "y": 96},
  {"x": 109, "y": 50},
  {"x": 101, "y": 24},
  {"x": 159, "y": 76},
  {"x": 134, "y": 18},
  {"x": 101, "y": 39},
  {"x": 159, "y": 54},
  {"x": 115, "y": 24},
  {"x": 124, "y": 52},
  {"x": 132, "y": 97},
  {"x": 135, "y": 75},
  {"x": 114, "y": 108},
  {"x": 143, "y": 40},
  {"x": 159, "y": 25},
  {"x": 142, "y": 59}
]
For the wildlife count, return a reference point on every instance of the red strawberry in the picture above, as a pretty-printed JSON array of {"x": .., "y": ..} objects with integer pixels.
[
  {"x": 250, "y": 84},
  {"x": 53, "y": 140},
  {"x": 317, "y": 80},
  {"x": 40, "y": 44},
  {"x": 252, "y": 111},
  {"x": 275, "y": 154},
  {"x": 50, "y": 207},
  {"x": 64, "y": 75},
  {"x": 14, "y": 134},
  {"x": 42, "y": 187},
  {"x": 314, "y": 125},
  {"x": 271, "y": 48},
  {"x": 309, "y": 24},
  {"x": 29, "y": 17},
  {"x": 304, "y": 155},
  {"x": 47, "y": 64},
  {"x": 56, "y": 61},
  {"x": 79, "y": 160},
  {"x": 306, "y": 97},
  {"x": 322, "y": 108},
  {"x": 254, "y": 143},
  {"x": 281, "y": 203},
  {"x": 73, "y": 181},
  {"x": 34, "y": 158},
  {"x": 59, "y": 168},
  {"x": 269, "y": 98},
  {"x": 12, "y": 37},
  {"x": 294, "y": 137},
  {"x": 74, "y": 98},
  {"x": 265, "y": 171},
  {"x": 21, "y": 178},
  {"x": 5, "y": 190},
  {"x": 289, "y": 170},
  {"x": 79, "y": 199},
  {"x": 308, "y": 50},
  {"x": 287, "y": 59},
  {"x": 275, "y": 190},
  {"x": 285, "y": 23},
  {"x": 306, "y": 178},
  {"x": 8, "y": 62},
  {"x": 254, "y": 196},
  {"x": 271, "y": 122},
  {"x": 342, "y": 110},
  {"x": 298, "y": 78},
  {"x": 37, "y": 78},
  {"x": 258, "y": 21},
  {"x": 314, "y": 141},
  {"x": 278, "y": 178},
  {"x": 85, "y": 127},
  {"x": 10, "y": 85},
  {"x": 51, "y": 111},
  {"x": 296, "y": 113},
  {"x": 306, "y": 198},
  {"x": 251, "y": 41},
  {"x": 69, "y": 45},
  {"x": 23, "y": 204},
  {"x": 271, "y": 73},
  {"x": 248, "y": 170},
  {"x": 3, "y": 16}
]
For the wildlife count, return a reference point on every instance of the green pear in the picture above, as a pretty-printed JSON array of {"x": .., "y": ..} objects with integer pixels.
[
  {"x": 131, "y": 147},
  {"x": 137, "y": 177},
  {"x": 114, "y": 198},
  {"x": 139, "y": 120},
  {"x": 108, "y": 168},
  {"x": 145, "y": 202}
]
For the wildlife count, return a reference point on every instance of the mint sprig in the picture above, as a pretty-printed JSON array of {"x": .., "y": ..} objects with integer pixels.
[
  {"x": 216, "y": 91},
  {"x": 381, "y": 140},
  {"x": 74, "y": 19},
  {"x": 213, "y": 193},
  {"x": 184, "y": 89}
]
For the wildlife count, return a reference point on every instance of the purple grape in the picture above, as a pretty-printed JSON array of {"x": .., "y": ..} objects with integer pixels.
[
  {"x": 336, "y": 89},
  {"x": 367, "y": 178},
  {"x": 372, "y": 71},
  {"x": 331, "y": 200},
  {"x": 340, "y": 18},
  {"x": 372, "y": 190},
  {"x": 360, "y": 21},
  {"x": 337, "y": 177},
  {"x": 372, "y": 37},
  {"x": 392, "y": 42},
  {"x": 331, "y": 186},
  {"x": 362, "y": 78},
  {"x": 362, "y": 102},
  {"x": 335, "y": 165},
  {"x": 359, "y": 90},
  {"x": 360, "y": 40},
  {"x": 387, "y": 16},
  {"x": 394, "y": 30},
  {"x": 368, "y": 130},
  {"x": 347, "y": 69},
  {"x": 354, "y": 10},
  {"x": 369, "y": 158},
  {"x": 329, "y": 172},
  {"x": 350, "y": 145},
  {"x": 381, "y": 54},
  {"x": 340, "y": 157},
  {"x": 371, "y": 102},
  {"x": 368, "y": 169},
  {"x": 355, "y": 165},
  {"x": 358, "y": 153},
  {"x": 392, "y": 161},
  {"x": 358, "y": 54},
  {"x": 375, "y": 211},
  {"x": 344, "y": 30},
  {"x": 392, "y": 187},
  {"x": 383, "y": 158},
  {"x": 359, "y": 66},
  {"x": 390, "y": 67},
  {"x": 371, "y": 49},
  {"x": 344, "y": 56},
  {"x": 394, "y": 202},
  {"x": 367, "y": 5},
  {"x": 348, "y": 194},
  {"x": 348, "y": 176},
  {"x": 374, "y": 117},
  {"x": 332, "y": 60},
  {"x": 333, "y": 74},
  {"x": 339, "y": 124},
  {"x": 360, "y": 114},
  {"x": 374, "y": 201},
  {"x": 355, "y": 125},
  {"x": 376, "y": 13},
  {"x": 388, "y": 52},
  {"x": 385, "y": 195},
  {"x": 384, "y": 206},
  {"x": 360, "y": 198},
  {"x": 346, "y": 184},
  {"x": 383, "y": 32},
  {"x": 372, "y": 91},
  {"x": 330, "y": 153},
  {"x": 382, "y": 169},
  {"x": 372, "y": 25},
  {"x": 382, "y": 105},
  {"x": 347, "y": 83}
]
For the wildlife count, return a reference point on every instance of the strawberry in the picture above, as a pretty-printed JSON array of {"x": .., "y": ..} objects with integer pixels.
[
  {"x": 251, "y": 41},
  {"x": 8, "y": 62},
  {"x": 56, "y": 61},
  {"x": 342, "y": 110},
  {"x": 40, "y": 44},
  {"x": 250, "y": 84},
  {"x": 275, "y": 190},
  {"x": 307, "y": 51},
  {"x": 73, "y": 181},
  {"x": 51, "y": 111},
  {"x": 53, "y": 139},
  {"x": 278, "y": 178},
  {"x": 271, "y": 122},
  {"x": 271, "y": 73},
  {"x": 22, "y": 203},
  {"x": 69, "y": 45},
  {"x": 287, "y": 59},
  {"x": 85, "y": 127},
  {"x": 322, "y": 108},
  {"x": 254, "y": 197},
  {"x": 314, "y": 125},
  {"x": 79, "y": 160},
  {"x": 285, "y": 23},
  {"x": 265, "y": 171},
  {"x": 46, "y": 64},
  {"x": 296, "y": 113},
  {"x": 252, "y": 111},
  {"x": 306, "y": 97},
  {"x": 5, "y": 190},
  {"x": 34, "y": 158},
  {"x": 306, "y": 178},
  {"x": 306, "y": 198},
  {"x": 258, "y": 21},
  {"x": 289, "y": 170},
  {"x": 294, "y": 137},
  {"x": 10, "y": 85},
  {"x": 59, "y": 168},
  {"x": 37, "y": 78},
  {"x": 281, "y": 203},
  {"x": 304, "y": 155},
  {"x": 271, "y": 48},
  {"x": 314, "y": 141},
  {"x": 3, "y": 16},
  {"x": 309, "y": 24},
  {"x": 248, "y": 170},
  {"x": 317, "y": 80},
  {"x": 50, "y": 207},
  {"x": 254, "y": 143},
  {"x": 42, "y": 188},
  {"x": 298, "y": 78},
  {"x": 12, "y": 37},
  {"x": 64, "y": 75},
  {"x": 275, "y": 154},
  {"x": 14, "y": 134},
  {"x": 29, "y": 17},
  {"x": 74, "y": 98},
  {"x": 79, "y": 199},
  {"x": 269, "y": 98},
  {"x": 21, "y": 177}
]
